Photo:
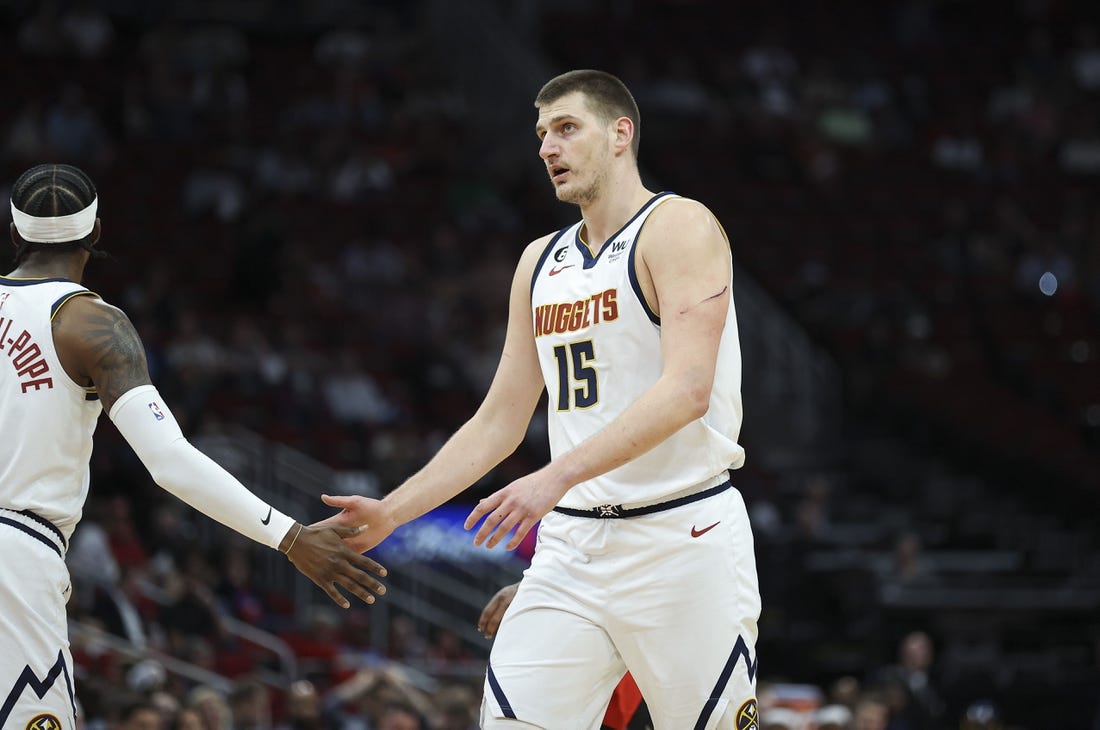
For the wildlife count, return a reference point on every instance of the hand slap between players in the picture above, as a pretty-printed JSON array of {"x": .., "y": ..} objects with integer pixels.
[
  {"x": 322, "y": 555},
  {"x": 369, "y": 515},
  {"x": 518, "y": 506}
]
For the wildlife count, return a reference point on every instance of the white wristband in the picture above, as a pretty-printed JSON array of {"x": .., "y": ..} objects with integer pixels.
[{"x": 152, "y": 431}]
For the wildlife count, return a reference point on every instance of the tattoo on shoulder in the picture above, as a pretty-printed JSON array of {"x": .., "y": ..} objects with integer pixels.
[{"x": 117, "y": 356}]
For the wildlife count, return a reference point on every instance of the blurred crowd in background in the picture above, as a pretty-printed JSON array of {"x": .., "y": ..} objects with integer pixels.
[{"x": 315, "y": 238}]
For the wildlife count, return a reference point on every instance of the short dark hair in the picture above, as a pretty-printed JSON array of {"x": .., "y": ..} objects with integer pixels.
[
  {"x": 53, "y": 190},
  {"x": 607, "y": 96}
]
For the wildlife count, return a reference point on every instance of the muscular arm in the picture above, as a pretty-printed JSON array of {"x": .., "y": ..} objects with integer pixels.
[
  {"x": 684, "y": 267},
  {"x": 498, "y": 426},
  {"x": 98, "y": 345}
]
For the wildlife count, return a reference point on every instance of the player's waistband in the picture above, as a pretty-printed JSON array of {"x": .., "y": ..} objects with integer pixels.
[
  {"x": 37, "y": 527},
  {"x": 618, "y": 511}
]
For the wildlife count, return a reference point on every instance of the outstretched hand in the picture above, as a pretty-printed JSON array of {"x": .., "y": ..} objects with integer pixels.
[
  {"x": 369, "y": 515},
  {"x": 494, "y": 610},
  {"x": 323, "y": 556},
  {"x": 519, "y": 507}
]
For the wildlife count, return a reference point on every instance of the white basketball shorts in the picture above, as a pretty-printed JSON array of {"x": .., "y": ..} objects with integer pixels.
[
  {"x": 36, "y": 669},
  {"x": 671, "y": 596}
]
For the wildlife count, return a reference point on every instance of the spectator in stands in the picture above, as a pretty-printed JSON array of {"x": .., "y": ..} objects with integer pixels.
[
  {"x": 456, "y": 708},
  {"x": 400, "y": 716},
  {"x": 188, "y": 718},
  {"x": 212, "y": 707},
  {"x": 140, "y": 715},
  {"x": 250, "y": 706},
  {"x": 871, "y": 713},
  {"x": 920, "y": 702},
  {"x": 304, "y": 710}
]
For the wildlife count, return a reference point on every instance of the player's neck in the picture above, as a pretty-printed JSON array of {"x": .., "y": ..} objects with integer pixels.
[
  {"x": 58, "y": 267},
  {"x": 605, "y": 215}
]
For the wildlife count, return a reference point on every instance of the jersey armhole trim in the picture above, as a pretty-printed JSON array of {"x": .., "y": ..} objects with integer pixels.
[
  {"x": 542, "y": 257},
  {"x": 90, "y": 393},
  {"x": 631, "y": 265},
  {"x": 56, "y": 306}
]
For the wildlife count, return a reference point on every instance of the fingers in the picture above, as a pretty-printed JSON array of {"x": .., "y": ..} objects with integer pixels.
[
  {"x": 369, "y": 565},
  {"x": 503, "y": 530},
  {"x": 501, "y": 520},
  {"x": 492, "y": 609},
  {"x": 343, "y": 531},
  {"x": 343, "y": 502},
  {"x": 521, "y": 532},
  {"x": 330, "y": 589},
  {"x": 483, "y": 508}
]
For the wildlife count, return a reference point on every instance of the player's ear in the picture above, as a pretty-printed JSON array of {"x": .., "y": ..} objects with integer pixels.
[
  {"x": 16, "y": 240},
  {"x": 623, "y": 129},
  {"x": 96, "y": 230}
]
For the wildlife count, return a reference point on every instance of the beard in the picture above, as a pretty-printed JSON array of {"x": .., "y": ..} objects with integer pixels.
[{"x": 584, "y": 193}]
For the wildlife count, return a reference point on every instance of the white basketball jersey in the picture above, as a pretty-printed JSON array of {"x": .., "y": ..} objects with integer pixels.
[
  {"x": 46, "y": 420},
  {"x": 599, "y": 346}
]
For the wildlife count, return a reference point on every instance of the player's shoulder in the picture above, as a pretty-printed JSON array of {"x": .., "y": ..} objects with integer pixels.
[
  {"x": 539, "y": 245},
  {"x": 79, "y": 313},
  {"x": 535, "y": 249},
  {"x": 87, "y": 302},
  {"x": 678, "y": 211}
]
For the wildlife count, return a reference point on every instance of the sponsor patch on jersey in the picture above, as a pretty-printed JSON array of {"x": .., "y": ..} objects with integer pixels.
[
  {"x": 747, "y": 716},
  {"x": 44, "y": 721},
  {"x": 156, "y": 411}
]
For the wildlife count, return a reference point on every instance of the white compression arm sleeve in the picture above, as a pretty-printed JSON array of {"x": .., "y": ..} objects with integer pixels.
[{"x": 177, "y": 466}]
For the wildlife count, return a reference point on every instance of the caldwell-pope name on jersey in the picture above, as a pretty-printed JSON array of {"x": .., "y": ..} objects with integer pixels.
[
  {"x": 572, "y": 316},
  {"x": 26, "y": 357}
]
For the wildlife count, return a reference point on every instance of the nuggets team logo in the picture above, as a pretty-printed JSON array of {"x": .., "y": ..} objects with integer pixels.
[
  {"x": 747, "y": 716},
  {"x": 44, "y": 721},
  {"x": 156, "y": 411}
]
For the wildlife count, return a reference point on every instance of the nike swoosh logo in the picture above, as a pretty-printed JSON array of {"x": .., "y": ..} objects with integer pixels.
[
  {"x": 268, "y": 518},
  {"x": 555, "y": 272},
  {"x": 697, "y": 533}
]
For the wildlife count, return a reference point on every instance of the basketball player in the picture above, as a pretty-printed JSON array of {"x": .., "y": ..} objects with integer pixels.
[
  {"x": 644, "y": 560},
  {"x": 65, "y": 355}
]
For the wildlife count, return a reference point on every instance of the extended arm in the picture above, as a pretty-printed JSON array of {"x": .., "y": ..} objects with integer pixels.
[
  {"x": 684, "y": 264},
  {"x": 491, "y": 434},
  {"x": 97, "y": 344}
]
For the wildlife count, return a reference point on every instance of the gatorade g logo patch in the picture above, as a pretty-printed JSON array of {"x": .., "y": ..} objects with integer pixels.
[
  {"x": 45, "y": 721},
  {"x": 747, "y": 716}
]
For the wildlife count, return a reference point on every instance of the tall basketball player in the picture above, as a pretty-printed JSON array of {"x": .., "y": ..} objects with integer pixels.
[
  {"x": 645, "y": 556},
  {"x": 65, "y": 355}
]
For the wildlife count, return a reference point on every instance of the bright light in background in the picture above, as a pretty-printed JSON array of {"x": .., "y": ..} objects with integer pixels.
[{"x": 1048, "y": 284}]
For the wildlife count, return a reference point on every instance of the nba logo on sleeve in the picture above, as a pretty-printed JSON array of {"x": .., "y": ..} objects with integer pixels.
[{"x": 156, "y": 411}]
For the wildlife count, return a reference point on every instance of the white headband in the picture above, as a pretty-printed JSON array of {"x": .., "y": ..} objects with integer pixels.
[{"x": 58, "y": 229}]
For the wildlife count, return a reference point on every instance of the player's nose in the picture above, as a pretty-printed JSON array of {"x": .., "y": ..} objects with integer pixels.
[{"x": 549, "y": 150}]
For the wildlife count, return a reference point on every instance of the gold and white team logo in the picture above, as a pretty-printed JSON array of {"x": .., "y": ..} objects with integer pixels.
[
  {"x": 747, "y": 716},
  {"x": 44, "y": 721}
]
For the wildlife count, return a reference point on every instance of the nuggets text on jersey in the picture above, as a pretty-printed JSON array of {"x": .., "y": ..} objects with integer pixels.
[{"x": 564, "y": 317}]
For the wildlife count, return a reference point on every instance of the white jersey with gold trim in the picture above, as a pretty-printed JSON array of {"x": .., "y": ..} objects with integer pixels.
[
  {"x": 599, "y": 346},
  {"x": 46, "y": 419}
]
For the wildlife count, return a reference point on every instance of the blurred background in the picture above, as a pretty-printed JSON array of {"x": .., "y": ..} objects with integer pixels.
[{"x": 315, "y": 209}]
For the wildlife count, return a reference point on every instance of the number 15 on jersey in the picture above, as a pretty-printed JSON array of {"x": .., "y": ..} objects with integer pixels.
[{"x": 576, "y": 377}]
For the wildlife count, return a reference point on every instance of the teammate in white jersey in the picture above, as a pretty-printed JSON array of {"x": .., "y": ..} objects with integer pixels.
[
  {"x": 65, "y": 355},
  {"x": 645, "y": 556}
]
